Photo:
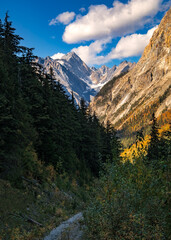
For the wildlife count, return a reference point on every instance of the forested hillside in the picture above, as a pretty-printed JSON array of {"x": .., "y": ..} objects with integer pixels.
[{"x": 39, "y": 122}]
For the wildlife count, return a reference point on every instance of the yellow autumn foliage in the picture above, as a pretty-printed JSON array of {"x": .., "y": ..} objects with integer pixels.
[
  {"x": 140, "y": 148},
  {"x": 164, "y": 128},
  {"x": 137, "y": 150}
]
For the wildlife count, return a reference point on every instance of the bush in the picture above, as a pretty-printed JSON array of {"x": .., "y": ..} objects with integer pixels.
[{"x": 131, "y": 203}]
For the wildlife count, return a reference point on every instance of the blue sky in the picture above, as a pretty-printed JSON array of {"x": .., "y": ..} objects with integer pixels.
[{"x": 99, "y": 31}]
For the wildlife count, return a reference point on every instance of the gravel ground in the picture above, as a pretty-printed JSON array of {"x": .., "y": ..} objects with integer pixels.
[{"x": 68, "y": 230}]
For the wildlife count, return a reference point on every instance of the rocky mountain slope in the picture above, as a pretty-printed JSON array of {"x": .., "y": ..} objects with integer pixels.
[
  {"x": 76, "y": 76},
  {"x": 129, "y": 101}
]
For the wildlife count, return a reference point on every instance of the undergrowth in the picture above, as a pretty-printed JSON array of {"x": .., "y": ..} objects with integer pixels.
[{"x": 34, "y": 209}]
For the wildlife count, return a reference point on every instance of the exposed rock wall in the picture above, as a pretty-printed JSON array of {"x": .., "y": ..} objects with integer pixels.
[{"x": 147, "y": 84}]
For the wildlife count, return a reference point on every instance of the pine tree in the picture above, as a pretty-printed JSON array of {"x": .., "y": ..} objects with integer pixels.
[
  {"x": 111, "y": 144},
  {"x": 15, "y": 121},
  {"x": 1, "y": 37},
  {"x": 11, "y": 40},
  {"x": 153, "y": 149},
  {"x": 83, "y": 106}
]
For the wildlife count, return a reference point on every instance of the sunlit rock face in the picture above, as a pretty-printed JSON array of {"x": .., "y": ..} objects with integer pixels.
[{"x": 143, "y": 89}]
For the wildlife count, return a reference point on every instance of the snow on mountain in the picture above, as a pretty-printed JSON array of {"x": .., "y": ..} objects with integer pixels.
[{"x": 78, "y": 78}]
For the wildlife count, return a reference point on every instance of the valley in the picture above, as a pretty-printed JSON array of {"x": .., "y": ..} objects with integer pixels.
[
  {"x": 126, "y": 100},
  {"x": 85, "y": 152}
]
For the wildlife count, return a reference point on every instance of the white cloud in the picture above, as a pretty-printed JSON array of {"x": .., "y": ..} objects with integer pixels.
[
  {"x": 101, "y": 22},
  {"x": 57, "y": 56},
  {"x": 132, "y": 45},
  {"x": 64, "y": 18},
  {"x": 89, "y": 53},
  {"x": 129, "y": 46}
]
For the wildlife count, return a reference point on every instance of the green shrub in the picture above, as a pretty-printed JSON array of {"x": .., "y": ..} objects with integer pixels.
[{"x": 131, "y": 202}]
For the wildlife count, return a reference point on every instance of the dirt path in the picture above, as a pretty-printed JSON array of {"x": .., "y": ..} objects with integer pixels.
[{"x": 68, "y": 230}]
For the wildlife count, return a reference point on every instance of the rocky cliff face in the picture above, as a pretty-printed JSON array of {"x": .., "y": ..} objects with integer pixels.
[
  {"x": 76, "y": 76},
  {"x": 72, "y": 73},
  {"x": 102, "y": 75},
  {"x": 144, "y": 89}
]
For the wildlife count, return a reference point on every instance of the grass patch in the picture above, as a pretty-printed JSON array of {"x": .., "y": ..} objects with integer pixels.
[{"x": 45, "y": 204}]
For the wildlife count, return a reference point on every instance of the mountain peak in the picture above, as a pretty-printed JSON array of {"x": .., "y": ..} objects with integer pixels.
[
  {"x": 48, "y": 58},
  {"x": 104, "y": 69},
  {"x": 76, "y": 76},
  {"x": 93, "y": 68},
  {"x": 124, "y": 62},
  {"x": 71, "y": 55}
]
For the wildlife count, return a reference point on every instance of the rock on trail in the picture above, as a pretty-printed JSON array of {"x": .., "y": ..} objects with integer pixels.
[{"x": 69, "y": 229}]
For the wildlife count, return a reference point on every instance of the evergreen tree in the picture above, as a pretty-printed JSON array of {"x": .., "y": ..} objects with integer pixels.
[
  {"x": 153, "y": 149},
  {"x": 11, "y": 46},
  {"x": 72, "y": 99},
  {"x": 15, "y": 121},
  {"x": 1, "y": 37},
  {"x": 111, "y": 145},
  {"x": 139, "y": 136},
  {"x": 83, "y": 107}
]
